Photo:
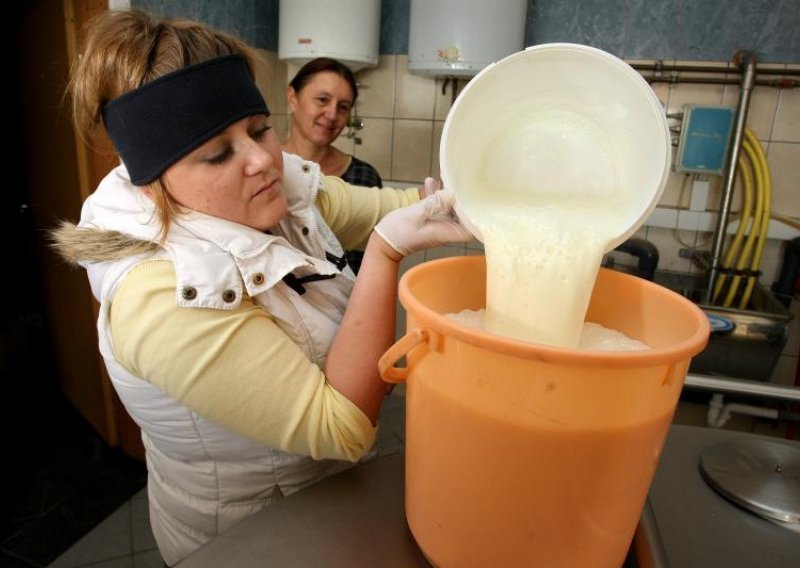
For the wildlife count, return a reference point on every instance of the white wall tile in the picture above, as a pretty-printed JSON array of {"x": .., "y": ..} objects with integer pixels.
[
  {"x": 760, "y": 110},
  {"x": 281, "y": 123},
  {"x": 271, "y": 80},
  {"x": 676, "y": 192},
  {"x": 377, "y": 88},
  {"x": 693, "y": 93},
  {"x": 414, "y": 94},
  {"x": 376, "y": 145},
  {"x": 784, "y": 164},
  {"x": 411, "y": 149},
  {"x": 787, "y": 117},
  {"x": 437, "y": 140},
  {"x": 347, "y": 144}
]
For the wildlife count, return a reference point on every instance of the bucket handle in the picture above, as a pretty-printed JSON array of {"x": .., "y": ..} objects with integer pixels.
[{"x": 390, "y": 373}]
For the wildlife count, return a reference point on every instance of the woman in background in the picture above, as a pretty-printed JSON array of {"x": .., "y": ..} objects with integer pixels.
[
  {"x": 231, "y": 329},
  {"x": 321, "y": 97}
]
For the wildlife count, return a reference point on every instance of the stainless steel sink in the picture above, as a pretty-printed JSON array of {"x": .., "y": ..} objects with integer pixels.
[{"x": 752, "y": 347}]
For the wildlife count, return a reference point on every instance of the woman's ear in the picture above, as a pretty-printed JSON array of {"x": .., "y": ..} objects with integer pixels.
[{"x": 291, "y": 98}]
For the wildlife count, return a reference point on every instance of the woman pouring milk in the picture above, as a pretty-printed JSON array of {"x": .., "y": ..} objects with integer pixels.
[{"x": 231, "y": 329}]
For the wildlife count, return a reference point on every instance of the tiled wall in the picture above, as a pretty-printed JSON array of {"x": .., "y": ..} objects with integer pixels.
[{"x": 404, "y": 115}]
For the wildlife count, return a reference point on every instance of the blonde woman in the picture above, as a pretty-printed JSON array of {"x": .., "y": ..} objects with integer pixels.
[{"x": 231, "y": 328}]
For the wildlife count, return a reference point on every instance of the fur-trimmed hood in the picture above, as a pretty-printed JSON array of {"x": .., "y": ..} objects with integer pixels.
[{"x": 77, "y": 246}]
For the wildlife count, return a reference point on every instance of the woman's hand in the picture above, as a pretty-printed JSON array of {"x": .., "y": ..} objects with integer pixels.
[{"x": 429, "y": 223}]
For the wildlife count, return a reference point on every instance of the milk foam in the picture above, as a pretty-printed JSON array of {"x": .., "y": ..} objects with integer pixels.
[
  {"x": 593, "y": 336},
  {"x": 542, "y": 262}
]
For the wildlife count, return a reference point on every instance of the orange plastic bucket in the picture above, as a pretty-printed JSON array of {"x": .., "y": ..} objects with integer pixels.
[{"x": 525, "y": 455}]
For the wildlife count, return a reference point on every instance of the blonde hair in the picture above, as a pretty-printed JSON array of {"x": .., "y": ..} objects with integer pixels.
[{"x": 124, "y": 50}]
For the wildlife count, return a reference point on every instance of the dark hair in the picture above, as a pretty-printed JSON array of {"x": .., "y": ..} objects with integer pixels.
[{"x": 320, "y": 65}]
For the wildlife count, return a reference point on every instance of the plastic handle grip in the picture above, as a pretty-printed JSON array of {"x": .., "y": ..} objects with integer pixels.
[{"x": 390, "y": 373}]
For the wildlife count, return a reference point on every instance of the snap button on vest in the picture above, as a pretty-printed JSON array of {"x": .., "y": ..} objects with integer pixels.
[
  {"x": 305, "y": 231},
  {"x": 258, "y": 278},
  {"x": 189, "y": 293},
  {"x": 229, "y": 296}
]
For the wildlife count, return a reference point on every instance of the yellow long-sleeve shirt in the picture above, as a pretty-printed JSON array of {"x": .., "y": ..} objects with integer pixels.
[{"x": 238, "y": 368}]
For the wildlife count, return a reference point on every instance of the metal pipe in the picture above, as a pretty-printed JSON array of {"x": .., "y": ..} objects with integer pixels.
[
  {"x": 748, "y": 62},
  {"x": 674, "y": 79},
  {"x": 727, "y": 385},
  {"x": 660, "y": 67}
]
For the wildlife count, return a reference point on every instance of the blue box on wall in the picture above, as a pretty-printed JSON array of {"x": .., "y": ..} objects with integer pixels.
[{"x": 705, "y": 135}]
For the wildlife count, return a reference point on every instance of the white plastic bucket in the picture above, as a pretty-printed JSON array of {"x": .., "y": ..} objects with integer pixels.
[{"x": 558, "y": 119}]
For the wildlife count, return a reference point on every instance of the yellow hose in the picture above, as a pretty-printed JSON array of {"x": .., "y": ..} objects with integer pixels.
[
  {"x": 744, "y": 219},
  {"x": 755, "y": 265},
  {"x": 754, "y": 229}
]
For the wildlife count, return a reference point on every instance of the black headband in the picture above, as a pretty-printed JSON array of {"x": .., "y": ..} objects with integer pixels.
[{"x": 154, "y": 126}]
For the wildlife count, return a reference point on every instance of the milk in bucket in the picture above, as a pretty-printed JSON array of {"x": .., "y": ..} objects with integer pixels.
[{"x": 556, "y": 155}]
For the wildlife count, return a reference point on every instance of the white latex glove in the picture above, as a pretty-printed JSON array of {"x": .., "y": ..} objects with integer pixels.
[{"x": 429, "y": 223}]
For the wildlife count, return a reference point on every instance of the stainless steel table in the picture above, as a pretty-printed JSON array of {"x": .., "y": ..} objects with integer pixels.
[
  {"x": 352, "y": 519},
  {"x": 696, "y": 527},
  {"x": 356, "y": 519}
]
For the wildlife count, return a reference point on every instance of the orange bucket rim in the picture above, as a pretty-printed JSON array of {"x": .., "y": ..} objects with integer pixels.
[{"x": 680, "y": 351}]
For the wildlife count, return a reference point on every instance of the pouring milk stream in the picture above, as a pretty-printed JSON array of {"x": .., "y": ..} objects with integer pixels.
[{"x": 550, "y": 180}]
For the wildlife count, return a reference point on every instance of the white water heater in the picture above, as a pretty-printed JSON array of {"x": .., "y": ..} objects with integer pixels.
[
  {"x": 348, "y": 31},
  {"x": 458, "y": 38}
]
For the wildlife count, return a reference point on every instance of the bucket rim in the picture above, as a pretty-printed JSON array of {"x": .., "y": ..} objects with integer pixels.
[{"x": 681, "y": 351}]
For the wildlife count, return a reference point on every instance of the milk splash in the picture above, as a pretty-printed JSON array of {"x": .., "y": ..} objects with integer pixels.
[
  {"x": 541, "y": 268},
  {"x": 546, "y": 228}
]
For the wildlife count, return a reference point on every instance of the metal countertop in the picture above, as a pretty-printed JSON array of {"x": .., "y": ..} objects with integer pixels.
[{"x": 356, "y": 519}]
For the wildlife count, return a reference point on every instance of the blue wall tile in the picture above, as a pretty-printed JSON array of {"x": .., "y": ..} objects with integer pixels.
[
  {"x": 599, "y": 23},
  {"x": 254, "y": 21},
  {"x": 395, "y": 15},
  {"x": 650, "y": 29},
  {"x": 265, "y": 25},
  {"x": 700, "y": 30}
]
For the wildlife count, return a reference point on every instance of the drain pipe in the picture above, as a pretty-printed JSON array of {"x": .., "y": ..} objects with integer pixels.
[
  {"x": 719, "y": 413},
  {"x": 747, "y": 60},
  {"x": 646, "y": 252}
]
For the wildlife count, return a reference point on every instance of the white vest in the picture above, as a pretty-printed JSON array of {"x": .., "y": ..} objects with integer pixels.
[{"x": 202, "y": 478}]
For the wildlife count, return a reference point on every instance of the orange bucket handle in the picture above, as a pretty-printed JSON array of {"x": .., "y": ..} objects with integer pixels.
[{"x": 390, "y": 373}]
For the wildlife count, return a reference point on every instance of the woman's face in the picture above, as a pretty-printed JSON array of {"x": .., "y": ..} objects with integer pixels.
[
  {"x": 236, "y": 175},
  {"x": 321, "y": 109}
]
